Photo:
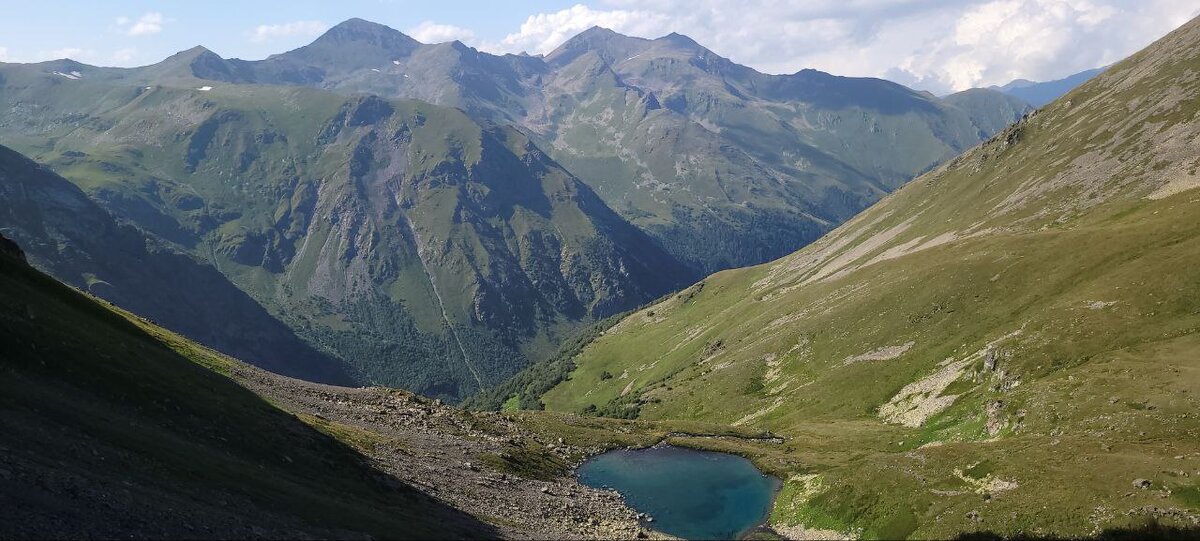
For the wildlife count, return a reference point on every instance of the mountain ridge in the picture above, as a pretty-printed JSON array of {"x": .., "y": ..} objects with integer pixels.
[{"x": 1039, "y": 93}]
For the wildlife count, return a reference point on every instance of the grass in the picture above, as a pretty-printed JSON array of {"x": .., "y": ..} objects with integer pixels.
[{"x": 529, "y": 460}]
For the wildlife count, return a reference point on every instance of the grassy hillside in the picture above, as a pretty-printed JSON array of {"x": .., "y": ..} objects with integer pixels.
[
  {"x": 113, "y": 427},
  {"x": 1006, "y": 344}
]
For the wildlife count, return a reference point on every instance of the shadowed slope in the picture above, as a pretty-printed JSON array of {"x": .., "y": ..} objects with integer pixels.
[
  {"x": 113, "y": 427},
  {"x": 68, "y": 236}
]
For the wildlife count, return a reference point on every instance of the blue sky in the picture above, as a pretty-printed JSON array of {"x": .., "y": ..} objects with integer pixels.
[{"x": 938, "y": 45}]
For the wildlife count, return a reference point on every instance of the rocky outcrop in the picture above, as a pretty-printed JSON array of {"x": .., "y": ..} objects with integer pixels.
[{"x": 11, "y": 249}]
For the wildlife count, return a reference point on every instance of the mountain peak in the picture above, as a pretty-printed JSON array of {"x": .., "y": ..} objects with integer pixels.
[
  {"x": 597, "y": 30},
  {"x": 355, "y": 24},
  {"x": 193, "y": 53},
  {"x": 679, "y": 39},
  {"x": 197, "y": 62},
  {"x": 609, "y": 44},
  {"x": 363, "y": 31}
]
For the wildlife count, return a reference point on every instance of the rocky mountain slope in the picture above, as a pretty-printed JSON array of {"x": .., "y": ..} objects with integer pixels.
[
  {"x": 417, "y": 246},
  {"x": 1008, "y": 344}
]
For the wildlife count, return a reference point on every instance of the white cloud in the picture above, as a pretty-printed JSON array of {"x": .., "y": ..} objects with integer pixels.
[
  {"x": 123, "y": 57},
  {"x": 431, "y": 32},
  {"x": 998, "y": 41},
  {"x": 267, "y": 32},
  {"x": 542, "y": 32},
  {"x": 930, "y": 44},
  {"x": 147, "y": 25},
  {"x": 3, "y": 54}
]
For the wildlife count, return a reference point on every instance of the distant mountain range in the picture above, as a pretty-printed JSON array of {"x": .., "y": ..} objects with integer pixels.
[
  {"x": 1038, "y": 94},
  {"x": 433, "y": 217}
]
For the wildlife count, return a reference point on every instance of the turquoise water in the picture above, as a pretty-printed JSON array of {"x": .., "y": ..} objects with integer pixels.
[{"x": 691, "y": 494}]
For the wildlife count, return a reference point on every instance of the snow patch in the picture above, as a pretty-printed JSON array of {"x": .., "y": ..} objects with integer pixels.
[{"x": 204, "y": 88}]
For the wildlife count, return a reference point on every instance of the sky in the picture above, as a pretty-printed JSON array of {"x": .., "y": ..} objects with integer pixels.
[{"x": 936, "y": 45}]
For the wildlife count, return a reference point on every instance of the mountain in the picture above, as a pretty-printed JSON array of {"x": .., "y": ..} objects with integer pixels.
[
  {"x": 70, "y": 237},
  {"x": 754, "y": 165},
  {"x": 757, "y": 165},
  {"x": 1041, "y": 93},
  {"x": 114, "y": 427},
  {"x": 1007, "y": 346},
  {"x": 990, "y": 110},
  {"x": 440, "y": 245},
  {"x": 415, "y": 245}
]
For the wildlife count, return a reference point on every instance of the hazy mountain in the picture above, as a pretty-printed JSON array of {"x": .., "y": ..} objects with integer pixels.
[
  {"x": 1019, "y": 324},
  {"x": 988, "y": 109},
  {"x": 1041, "y": 93}
]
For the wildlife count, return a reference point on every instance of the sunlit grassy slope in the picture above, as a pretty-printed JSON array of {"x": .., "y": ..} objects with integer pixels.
[{"x": 1005, "y": 344}]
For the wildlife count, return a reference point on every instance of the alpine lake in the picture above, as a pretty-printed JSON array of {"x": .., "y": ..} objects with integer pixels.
[{"x": 686, "y": 493}]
